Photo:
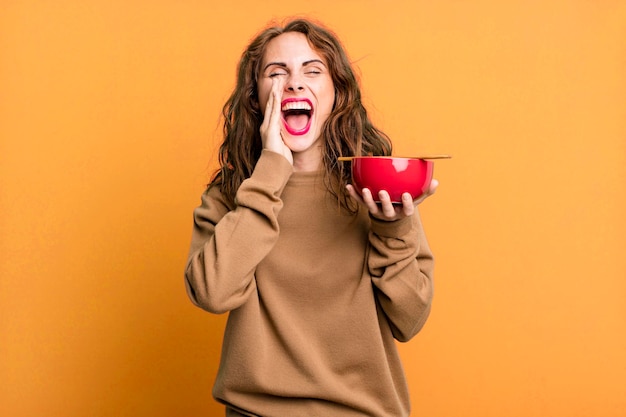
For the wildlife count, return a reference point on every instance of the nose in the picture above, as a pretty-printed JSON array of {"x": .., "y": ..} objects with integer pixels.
[{"x": 294, "y": 84}]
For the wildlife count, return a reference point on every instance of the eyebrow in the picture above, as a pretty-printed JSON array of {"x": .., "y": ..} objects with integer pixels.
[{"x": 283, "y": 65}]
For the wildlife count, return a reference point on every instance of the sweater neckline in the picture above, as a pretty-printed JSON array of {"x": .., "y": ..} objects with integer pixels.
[{"x": 306, "y": 177}]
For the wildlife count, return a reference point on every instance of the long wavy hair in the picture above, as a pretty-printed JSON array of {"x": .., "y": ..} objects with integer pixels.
[{"x": 348, "y": 131}]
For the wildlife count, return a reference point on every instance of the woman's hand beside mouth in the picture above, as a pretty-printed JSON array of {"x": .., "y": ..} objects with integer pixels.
[{"x": 271, "y": 129}]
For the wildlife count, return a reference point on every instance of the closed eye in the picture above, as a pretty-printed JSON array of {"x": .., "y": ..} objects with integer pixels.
[{"x": 274, "y": 69}]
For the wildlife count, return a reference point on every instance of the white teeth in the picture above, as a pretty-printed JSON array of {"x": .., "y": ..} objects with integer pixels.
[{"x": 296, "y": 105}]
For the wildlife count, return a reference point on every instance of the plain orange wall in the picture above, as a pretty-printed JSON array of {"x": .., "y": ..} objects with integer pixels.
[{"x": 109, "y": 125}]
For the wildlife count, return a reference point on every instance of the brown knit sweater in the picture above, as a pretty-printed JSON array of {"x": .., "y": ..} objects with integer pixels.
[{"x": 315, "y": 297}]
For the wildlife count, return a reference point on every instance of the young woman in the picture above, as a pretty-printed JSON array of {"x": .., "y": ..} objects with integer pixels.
[{"x": 317, "y": 280}]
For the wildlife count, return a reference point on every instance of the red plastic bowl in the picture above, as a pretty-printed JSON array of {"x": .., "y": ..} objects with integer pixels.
[{"x": 393, "y": 174}]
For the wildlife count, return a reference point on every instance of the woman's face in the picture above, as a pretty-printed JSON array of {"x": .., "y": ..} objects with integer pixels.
[{"x": 308, "y": 94}]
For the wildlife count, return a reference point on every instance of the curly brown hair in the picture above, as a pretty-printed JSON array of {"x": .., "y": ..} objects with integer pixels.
[{"x": 348, "y": 130}]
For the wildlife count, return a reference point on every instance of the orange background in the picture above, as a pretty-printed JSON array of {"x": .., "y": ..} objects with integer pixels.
[{"x": 109, "y": 116}]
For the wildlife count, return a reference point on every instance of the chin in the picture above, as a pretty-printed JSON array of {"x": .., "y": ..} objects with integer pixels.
[{"x": 301, "y": 143}]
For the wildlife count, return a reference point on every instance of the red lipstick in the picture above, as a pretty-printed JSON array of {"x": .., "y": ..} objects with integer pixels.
[{"x": 297, "y": 115}]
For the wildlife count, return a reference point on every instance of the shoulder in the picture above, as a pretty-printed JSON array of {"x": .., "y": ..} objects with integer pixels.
[{"x": 214, "y": 205}]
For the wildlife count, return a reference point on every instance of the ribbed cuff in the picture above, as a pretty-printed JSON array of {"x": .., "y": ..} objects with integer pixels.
[{"x": 393, "y": 229}]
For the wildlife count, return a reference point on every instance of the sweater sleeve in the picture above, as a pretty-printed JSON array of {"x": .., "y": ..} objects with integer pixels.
[
  {"x": 401, "y": 266},
  {"x": 227, "y": 245}
]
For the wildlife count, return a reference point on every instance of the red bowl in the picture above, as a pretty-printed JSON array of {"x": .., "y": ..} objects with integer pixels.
[{"x": 393, "y": 174}]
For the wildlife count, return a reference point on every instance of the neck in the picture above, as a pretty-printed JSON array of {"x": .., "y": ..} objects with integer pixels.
[{"x": 306, "y": 161}]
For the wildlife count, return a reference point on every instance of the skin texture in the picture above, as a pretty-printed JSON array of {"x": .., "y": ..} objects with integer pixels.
[{"x": 292, "y": 69}]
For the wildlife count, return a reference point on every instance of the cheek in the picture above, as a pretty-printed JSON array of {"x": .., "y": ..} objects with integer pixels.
[
  {"x": 328, "y": 94},
  {"x": 328, "y": 101}
]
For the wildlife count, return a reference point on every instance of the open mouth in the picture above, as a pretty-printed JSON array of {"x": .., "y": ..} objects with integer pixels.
[{"x": 297, "y": 115}]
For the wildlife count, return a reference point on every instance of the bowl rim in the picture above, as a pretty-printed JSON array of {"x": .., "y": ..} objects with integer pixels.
[{"x": 421, "y": 158}]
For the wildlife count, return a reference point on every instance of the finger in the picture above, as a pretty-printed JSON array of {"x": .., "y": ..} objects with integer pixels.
[
  {"x": 408, "y": 207},
  {"x": 268, "y": 109},
  {"x": 352, "y": 192},
  {"x": 371, "y": 205},
  {"x": 431, "y": 190},
  {"x": 277, "y": 84},
  {"x": 433, "y": 186},
  {"x": 387, "y": 207}
]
